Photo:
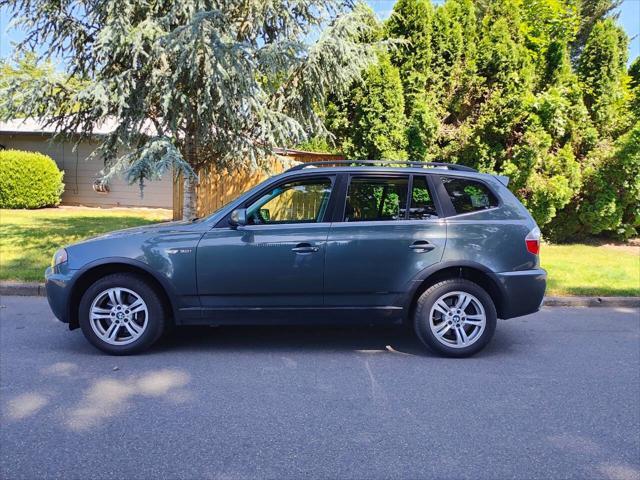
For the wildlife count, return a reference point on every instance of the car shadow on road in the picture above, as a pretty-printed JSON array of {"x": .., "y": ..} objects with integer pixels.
[{"x": 399, "y": 340}]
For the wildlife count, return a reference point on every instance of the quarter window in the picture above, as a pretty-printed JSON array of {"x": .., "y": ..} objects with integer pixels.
[
  {"x": 379, "y": 199},
  {"x": 295, "y": 202},
  {"x": 468, "y": 195}
]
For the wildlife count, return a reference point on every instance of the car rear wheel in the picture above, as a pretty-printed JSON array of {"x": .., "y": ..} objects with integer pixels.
[
  {"x": 455, "y": 318},
  {"x": 122, "y": 314}
]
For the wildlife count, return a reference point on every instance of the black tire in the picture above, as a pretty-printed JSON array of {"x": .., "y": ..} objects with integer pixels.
[
  {"x": 427, "y": 300},
  {"x": 156, "y": 318}
]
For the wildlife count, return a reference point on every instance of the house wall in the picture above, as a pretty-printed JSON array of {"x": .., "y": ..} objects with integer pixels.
[{"x": 80, "y": 173}]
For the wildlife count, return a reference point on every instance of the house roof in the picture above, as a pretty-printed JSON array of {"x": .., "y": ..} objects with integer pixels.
[{"x": 29, "y": 125}]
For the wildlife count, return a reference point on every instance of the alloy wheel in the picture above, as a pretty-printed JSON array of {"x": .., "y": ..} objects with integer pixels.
[
  {"x": 457, "y": 319},
  {"x": 118, "y": 316}
]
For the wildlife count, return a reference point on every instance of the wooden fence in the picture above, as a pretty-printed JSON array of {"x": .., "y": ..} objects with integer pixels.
[{"x": 216, "y": 187}]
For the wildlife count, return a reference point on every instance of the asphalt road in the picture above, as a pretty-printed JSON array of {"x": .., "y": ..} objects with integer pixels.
[{"x": 556, "y": 395}]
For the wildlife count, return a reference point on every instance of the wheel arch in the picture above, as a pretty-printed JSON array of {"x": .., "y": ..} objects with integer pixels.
[
  {"x": 94, "y": 271},
  {"x": 468, "y": 271}
]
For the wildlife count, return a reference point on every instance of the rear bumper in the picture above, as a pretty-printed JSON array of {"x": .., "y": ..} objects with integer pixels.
[
  {"x": 58, "y": 286},
  {"x": 523, "y": 292}
]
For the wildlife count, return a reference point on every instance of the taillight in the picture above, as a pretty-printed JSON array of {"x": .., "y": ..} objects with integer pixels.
[{"x": 532, "y": 240}]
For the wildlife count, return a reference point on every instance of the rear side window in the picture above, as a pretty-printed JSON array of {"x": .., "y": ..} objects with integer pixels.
[
  {"x": 422, "y": 207},
  {"x": 469, "y": 195},
  {"x": 371, "y": 199}
]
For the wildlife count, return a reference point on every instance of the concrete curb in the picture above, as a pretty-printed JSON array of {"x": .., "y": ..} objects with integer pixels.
[
  {"x": 24, "y": 289},
  {"x": 35, "y": 289},
  {"x": 629, "y": 302}
]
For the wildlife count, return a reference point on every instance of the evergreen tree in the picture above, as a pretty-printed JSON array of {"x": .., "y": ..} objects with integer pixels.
[
  {"x": 634, "y": 73},
  {"x": 189, "y": 83},
  {"x": 591, "y": 12},
  {"x": 602, "y": 70},
  {"x": 503, "y": 59},
  {"x": 453, "y": 48},
  {"x": 634, "y": 85},
  {"x": 503, "y": 96},
  {"x": 370, "y": 119},
  {"x": 536, "y": 90},
  {"x": 22, "y": 72},
  {"x": 609, "y": 201},
  {"x": 411, "y": 24},
  {"x": 422, "y": 129}
]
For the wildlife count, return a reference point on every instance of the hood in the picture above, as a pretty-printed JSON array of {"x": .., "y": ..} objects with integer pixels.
[{"x": 178, "y": 225}]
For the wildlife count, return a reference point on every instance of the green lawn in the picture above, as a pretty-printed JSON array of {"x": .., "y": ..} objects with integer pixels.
[
  {"x": 28, "y": 239},
  {"x": 580, "y": 269}
]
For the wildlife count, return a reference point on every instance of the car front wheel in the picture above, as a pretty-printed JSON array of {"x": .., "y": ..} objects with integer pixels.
[
  {"x": 121, "y": 314},
  {"x": 455, "y": 318}
]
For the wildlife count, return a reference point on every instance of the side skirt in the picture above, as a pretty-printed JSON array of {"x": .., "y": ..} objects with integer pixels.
[{"x": 378, "y": 315}]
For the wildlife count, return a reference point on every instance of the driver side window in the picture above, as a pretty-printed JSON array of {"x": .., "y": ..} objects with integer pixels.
[{"x": 303, "y": 201}]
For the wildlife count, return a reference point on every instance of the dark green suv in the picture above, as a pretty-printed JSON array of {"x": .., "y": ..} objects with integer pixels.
[{"x": 438, "y": 245}]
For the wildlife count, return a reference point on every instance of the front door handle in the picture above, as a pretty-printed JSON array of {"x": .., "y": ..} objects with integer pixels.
[
  {"x": 422, "y": 246},
  {"x": 305, "y": 248}
]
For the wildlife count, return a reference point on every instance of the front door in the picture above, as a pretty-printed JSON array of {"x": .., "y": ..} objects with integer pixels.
[
  {"x": 276, "y": 260},
  {"x": 386, "y": 237}
]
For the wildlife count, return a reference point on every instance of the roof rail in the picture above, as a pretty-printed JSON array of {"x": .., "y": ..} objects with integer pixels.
[{"x": 382, "y": 163}]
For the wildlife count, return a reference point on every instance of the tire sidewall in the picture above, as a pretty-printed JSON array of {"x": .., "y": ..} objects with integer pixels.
[
  {"x": 423, "y": 309},
  {"x": 155, "y": 309}
]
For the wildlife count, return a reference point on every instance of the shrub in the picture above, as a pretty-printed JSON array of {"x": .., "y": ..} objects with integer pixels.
[
  {"x": 609, "y": 202},
  {"x": 611, "y": 197},
  {"x": 29, "y": 180}
]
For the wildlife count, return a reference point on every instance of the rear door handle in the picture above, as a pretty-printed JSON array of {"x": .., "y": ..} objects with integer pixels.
[
  {"x": 422, "y": 246},
  {"x": 305, "y": 248}
]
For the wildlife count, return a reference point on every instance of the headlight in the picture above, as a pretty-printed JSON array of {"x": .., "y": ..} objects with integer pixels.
[{"x": 59, "y": 257}]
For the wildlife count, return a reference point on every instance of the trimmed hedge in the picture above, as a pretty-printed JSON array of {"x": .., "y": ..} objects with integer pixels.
[{"x": 29, "y": 180}]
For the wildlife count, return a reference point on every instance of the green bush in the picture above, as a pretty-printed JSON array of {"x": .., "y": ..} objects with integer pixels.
[{"x": 29, "y": 180}]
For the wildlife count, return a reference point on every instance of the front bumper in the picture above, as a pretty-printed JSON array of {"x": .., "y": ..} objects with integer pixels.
[
  {"x": 523, "y": 292},
  {"x": 58, "y": 286}
]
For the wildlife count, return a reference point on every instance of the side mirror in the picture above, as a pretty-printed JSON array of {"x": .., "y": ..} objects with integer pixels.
[{"x": 238, "y": 217}]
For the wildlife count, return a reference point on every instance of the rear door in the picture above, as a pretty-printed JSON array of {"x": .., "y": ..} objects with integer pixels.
[{"x": 389, "y": 230}]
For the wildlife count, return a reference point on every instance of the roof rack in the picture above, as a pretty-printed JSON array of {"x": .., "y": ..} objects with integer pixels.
[{"x": 382, "y": 163}]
